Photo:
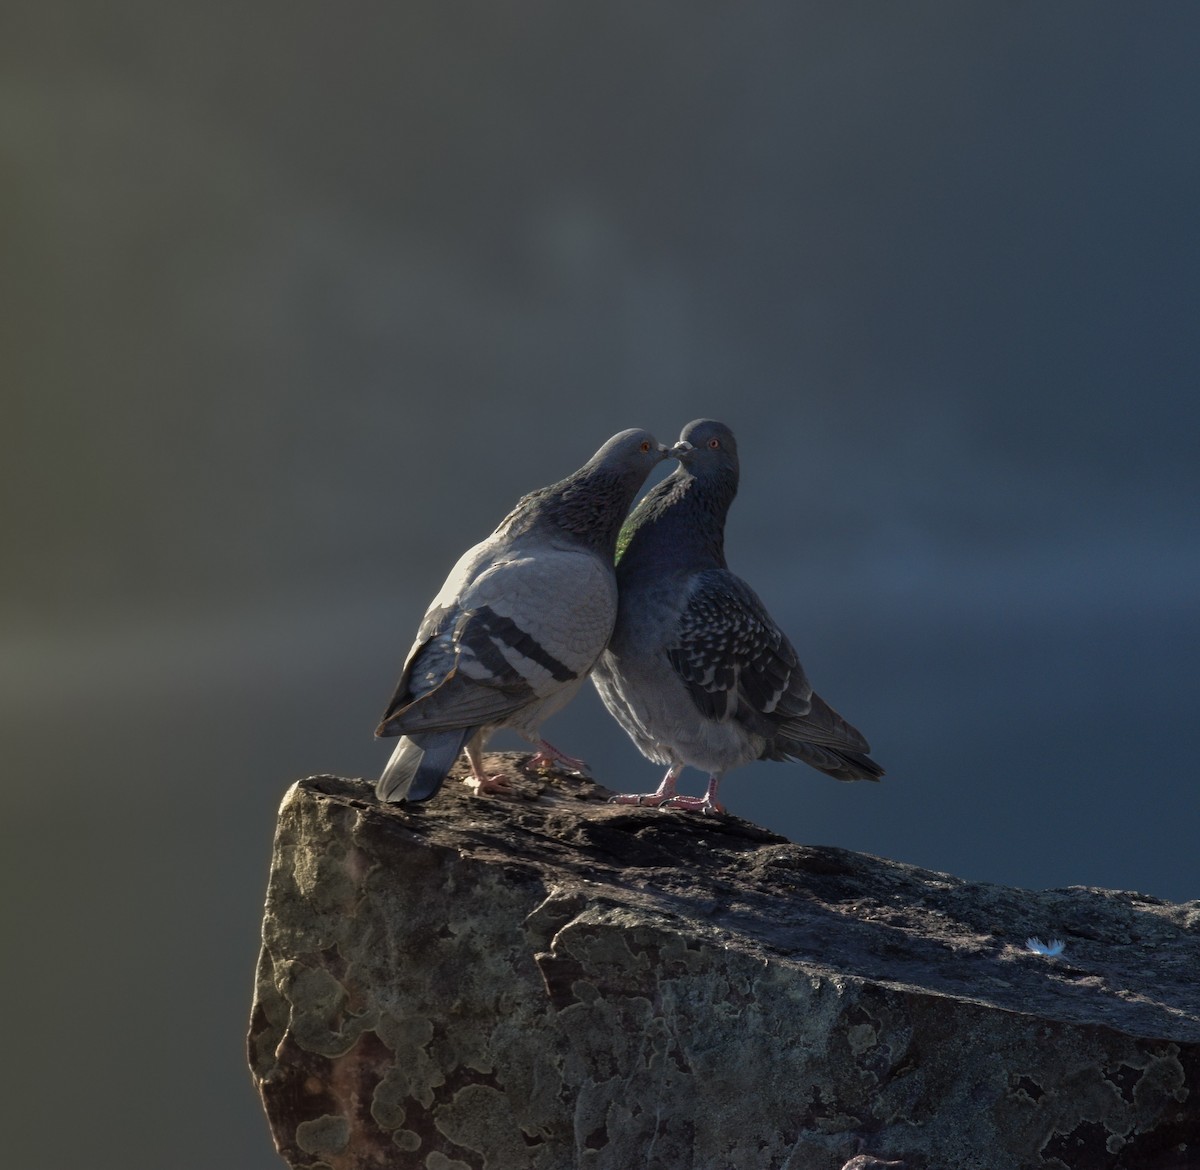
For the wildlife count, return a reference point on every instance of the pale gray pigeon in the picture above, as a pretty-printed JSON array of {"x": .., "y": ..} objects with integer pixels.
[
  {"x": 696, "y": 670},
  {"x": 517, "y": 625}
]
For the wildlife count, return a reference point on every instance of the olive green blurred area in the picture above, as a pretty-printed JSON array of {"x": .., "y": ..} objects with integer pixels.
[{"x": 297, "y": 299}]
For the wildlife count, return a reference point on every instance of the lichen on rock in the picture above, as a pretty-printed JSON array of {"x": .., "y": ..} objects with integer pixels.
[{"x": 550, "y": 982}]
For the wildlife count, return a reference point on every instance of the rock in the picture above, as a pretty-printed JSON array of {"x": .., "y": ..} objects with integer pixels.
[{"x": 550, "y": 982}]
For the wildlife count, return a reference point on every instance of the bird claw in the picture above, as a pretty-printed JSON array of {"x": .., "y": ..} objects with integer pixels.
[
  {"x": 549, "y": 758},
  {"x": 484, "y": 785},
  {"x": 541, "y": 763},
  {"x": 700, "y": 804},
  {"x": 641, "y": 799}
]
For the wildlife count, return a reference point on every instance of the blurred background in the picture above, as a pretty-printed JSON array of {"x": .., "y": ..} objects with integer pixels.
[{"x": 299, "y": 298}]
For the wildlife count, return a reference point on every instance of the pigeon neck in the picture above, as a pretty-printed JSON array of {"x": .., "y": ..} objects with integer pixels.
[
  {"x": 681, "y": 523},
  {"x": 587, "y": 507}
]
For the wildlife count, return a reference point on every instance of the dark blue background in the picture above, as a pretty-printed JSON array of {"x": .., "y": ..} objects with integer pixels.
[{"x": 299, "y": 299}]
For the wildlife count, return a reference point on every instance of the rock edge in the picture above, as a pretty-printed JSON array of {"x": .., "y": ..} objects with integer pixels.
[{"x": 549, "y": 981}]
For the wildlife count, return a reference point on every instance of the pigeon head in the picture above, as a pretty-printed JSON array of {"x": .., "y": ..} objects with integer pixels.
[
  {"x": 590, "y": 504},
  {"x": 708, "y": 450},
  {"x": 683, "y": 516},
  {"x": 634, "y": 453}
]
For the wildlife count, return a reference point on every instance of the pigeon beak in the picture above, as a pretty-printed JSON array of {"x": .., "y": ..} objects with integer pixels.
[{"x": 680, "y": 449}]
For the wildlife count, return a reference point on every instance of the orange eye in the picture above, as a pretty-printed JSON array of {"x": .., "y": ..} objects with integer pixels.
[
  {"x": 714, "y": 443},
  {"x": 645, "y": 448}
]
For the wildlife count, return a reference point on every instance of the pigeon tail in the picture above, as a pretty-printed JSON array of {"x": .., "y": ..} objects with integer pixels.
[
  {"x": 419, "y": 765},
  {"x": 836, "y": 762}
]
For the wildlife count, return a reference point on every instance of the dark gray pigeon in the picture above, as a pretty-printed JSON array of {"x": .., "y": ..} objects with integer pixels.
[
  {"x": 517, "y": 625},
  {"x": 696, "y": 671}
]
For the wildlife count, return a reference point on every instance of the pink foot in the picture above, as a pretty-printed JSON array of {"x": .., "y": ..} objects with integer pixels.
[
  {"x": 485, "y": 785},
  {"x": 667, "y": 797},
  {"x": 548, "y": 756},
  {"x": 700, "y": 804},
  {"x": 664, "y": 795},
  {"x": 644, "y": 799}
]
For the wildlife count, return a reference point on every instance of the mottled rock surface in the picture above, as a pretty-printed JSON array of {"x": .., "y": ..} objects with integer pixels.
[{"x": 547, "y": 982}]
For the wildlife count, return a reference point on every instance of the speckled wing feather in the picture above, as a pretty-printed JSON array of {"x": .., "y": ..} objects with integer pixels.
[
  {"x": 737, "y": 663},
  {"x": 731, "y": 655}
]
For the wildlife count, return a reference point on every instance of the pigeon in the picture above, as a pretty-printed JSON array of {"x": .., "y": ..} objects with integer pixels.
[
  {"x": 516, "y": 626},
  {"x": 696, "y": 671}
]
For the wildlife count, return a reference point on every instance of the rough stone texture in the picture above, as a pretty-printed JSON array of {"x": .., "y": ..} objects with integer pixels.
[{"x": 551, "y": 982}]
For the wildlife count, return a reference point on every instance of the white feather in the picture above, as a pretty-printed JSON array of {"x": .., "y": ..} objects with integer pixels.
[{"x": 1056, "y": 946}]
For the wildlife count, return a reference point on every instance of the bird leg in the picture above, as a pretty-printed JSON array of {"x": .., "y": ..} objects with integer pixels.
[
  {"x": 547, "y": 756},
  {"x": 664, "y": 794},
  {"x": 708, "y": 803},
  {"x": 479, "y": 781}
]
